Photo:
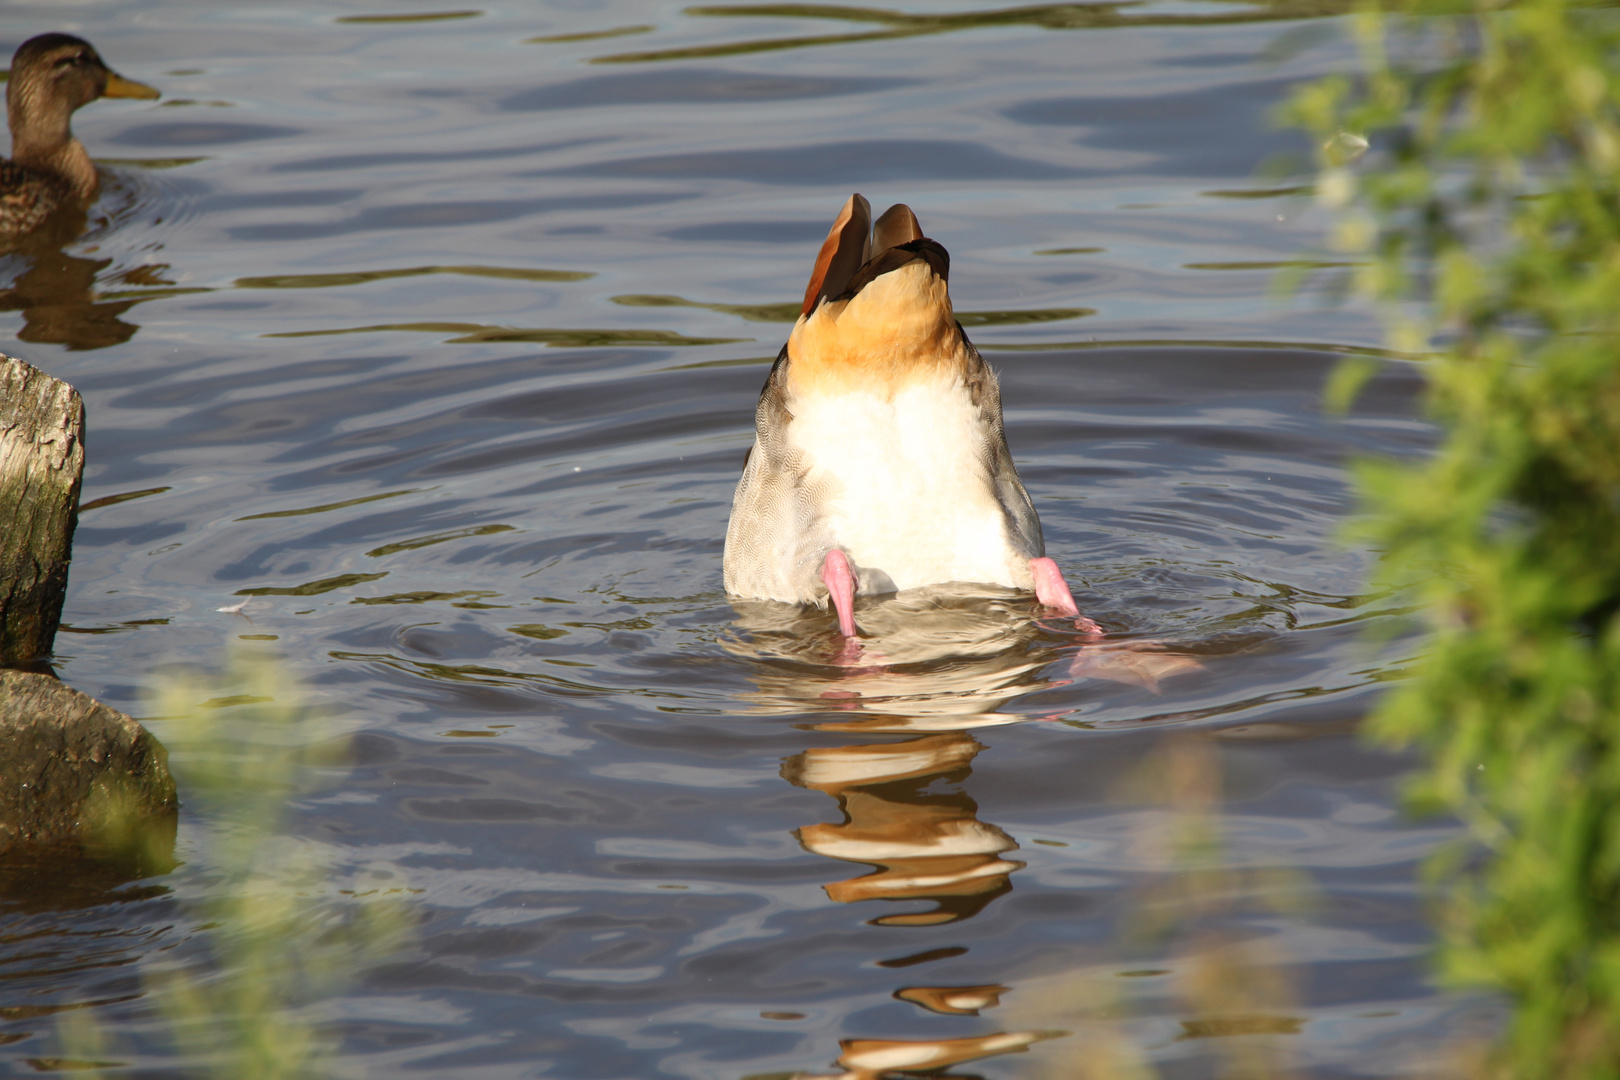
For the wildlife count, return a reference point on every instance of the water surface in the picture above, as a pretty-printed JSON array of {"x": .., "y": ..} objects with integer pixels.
[{"x": 431, "y": 346}]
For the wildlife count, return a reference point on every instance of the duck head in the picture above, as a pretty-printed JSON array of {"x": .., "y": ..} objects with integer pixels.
[{"x": 53, "y": 75}]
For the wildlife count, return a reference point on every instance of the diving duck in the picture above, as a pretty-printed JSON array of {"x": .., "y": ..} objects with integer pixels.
[
  {"x": 51, "y": 76},
  {"x": 879, "y": 461}
]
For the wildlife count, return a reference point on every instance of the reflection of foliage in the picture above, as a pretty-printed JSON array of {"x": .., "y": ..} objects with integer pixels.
[
  {"x": 1227, "y": 984},
  {"x": 1488, "y": 212},
  {"x": 279, "y": 932}
]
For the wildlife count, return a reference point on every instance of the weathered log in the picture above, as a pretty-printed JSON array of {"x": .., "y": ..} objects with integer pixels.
[
  {"x": 76, "y": 774},
  {"x": 41, "y": 469}
]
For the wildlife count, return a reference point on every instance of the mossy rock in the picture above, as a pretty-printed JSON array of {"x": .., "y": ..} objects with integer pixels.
[{"x": 77, "y": 775}]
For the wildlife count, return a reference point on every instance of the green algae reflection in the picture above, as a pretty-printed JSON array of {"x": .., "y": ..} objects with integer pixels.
[
  {"x": 425, "y": 16},
  {"x": 123, "y": 496},
  {"x": 588, "y": 35},
  {"x": 361, "y": 277},
  {"x": 477, "y": 334},
  {"x": 439, "y": 538},
  {"x": 769, "y": 313},
  {"x": 898, "y": 24},
  {"x": 323, "y": 507},
  {"x": 789, "y": 312},
  {"x": 313, "y": 588},
  {"x": 151, "y": 162},
  {"x": 466, "y": 598},
  {"x": 1275, "y": 264}
]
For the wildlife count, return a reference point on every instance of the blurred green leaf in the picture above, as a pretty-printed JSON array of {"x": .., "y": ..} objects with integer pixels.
[{"x": 1486, "y": 212}]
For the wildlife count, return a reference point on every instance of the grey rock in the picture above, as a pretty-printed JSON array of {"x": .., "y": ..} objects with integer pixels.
[{"x": 77, "y": 774}]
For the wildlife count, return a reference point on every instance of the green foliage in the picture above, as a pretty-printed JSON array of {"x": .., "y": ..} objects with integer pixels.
[
  {"x": 280, "y": 929},
  {"x": 1487, "y": 214}
]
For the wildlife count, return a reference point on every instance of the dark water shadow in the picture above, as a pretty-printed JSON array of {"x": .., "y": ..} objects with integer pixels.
[
  {"x": 70, "y": 877},
  {"x": 690, "y": 87},
  {"x": 859, "y": 161},
  {"x": 199, "y": 133},
  {"x": 466, "y": 213}
]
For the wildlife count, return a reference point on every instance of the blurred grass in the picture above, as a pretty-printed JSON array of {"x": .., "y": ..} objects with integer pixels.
[
  {"x": 275, "y": 926},
  {"x": 1229, "y": 988}
]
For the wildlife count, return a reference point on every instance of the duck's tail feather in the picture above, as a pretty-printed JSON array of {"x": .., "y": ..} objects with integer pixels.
[
  {"x": 897, "y": 226},
  {"x": 848, "y": 246}
]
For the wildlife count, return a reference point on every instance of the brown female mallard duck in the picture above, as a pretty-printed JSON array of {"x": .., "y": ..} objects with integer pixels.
[{"x": 51, "y": 76}]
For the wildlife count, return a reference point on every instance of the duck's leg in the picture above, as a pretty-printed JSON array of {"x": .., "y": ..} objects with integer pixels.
[
  {"x": 1053, "y": 591},
  {"x": 840, "y": 582}
]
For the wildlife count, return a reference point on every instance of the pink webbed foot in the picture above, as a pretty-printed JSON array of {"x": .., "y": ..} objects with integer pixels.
[
  {"x": 840, "y": 581},
  {"x": 1052, "y": 591}
]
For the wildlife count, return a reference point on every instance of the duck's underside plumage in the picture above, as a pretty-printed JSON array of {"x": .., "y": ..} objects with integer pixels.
[{"x": 879, "y": 443}]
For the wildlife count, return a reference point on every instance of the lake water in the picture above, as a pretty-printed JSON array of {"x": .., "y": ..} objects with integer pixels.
[{"x": 435, "y": 342}]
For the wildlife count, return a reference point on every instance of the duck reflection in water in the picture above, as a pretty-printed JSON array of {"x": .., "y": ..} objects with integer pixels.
[
  {"x": 927, "y": 846},
  {"x": 869, "y": 1059},
  {"x": 950, "y": 661},
  {"x": 58, "y": 298},
  {"x": 46, "y": 190},
  {"x": 937, "y": 666}
]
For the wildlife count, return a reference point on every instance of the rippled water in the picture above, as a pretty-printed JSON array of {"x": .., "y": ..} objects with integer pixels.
[{"x": 437, "y": 341}]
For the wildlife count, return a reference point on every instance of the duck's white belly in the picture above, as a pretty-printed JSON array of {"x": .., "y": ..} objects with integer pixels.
[{"x": 904, "y": 485}]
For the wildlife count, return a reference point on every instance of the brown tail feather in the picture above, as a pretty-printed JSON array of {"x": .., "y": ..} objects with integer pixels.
[
  {"x": 847, "y": 247},
  {"x": 897, "y": 226}
]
